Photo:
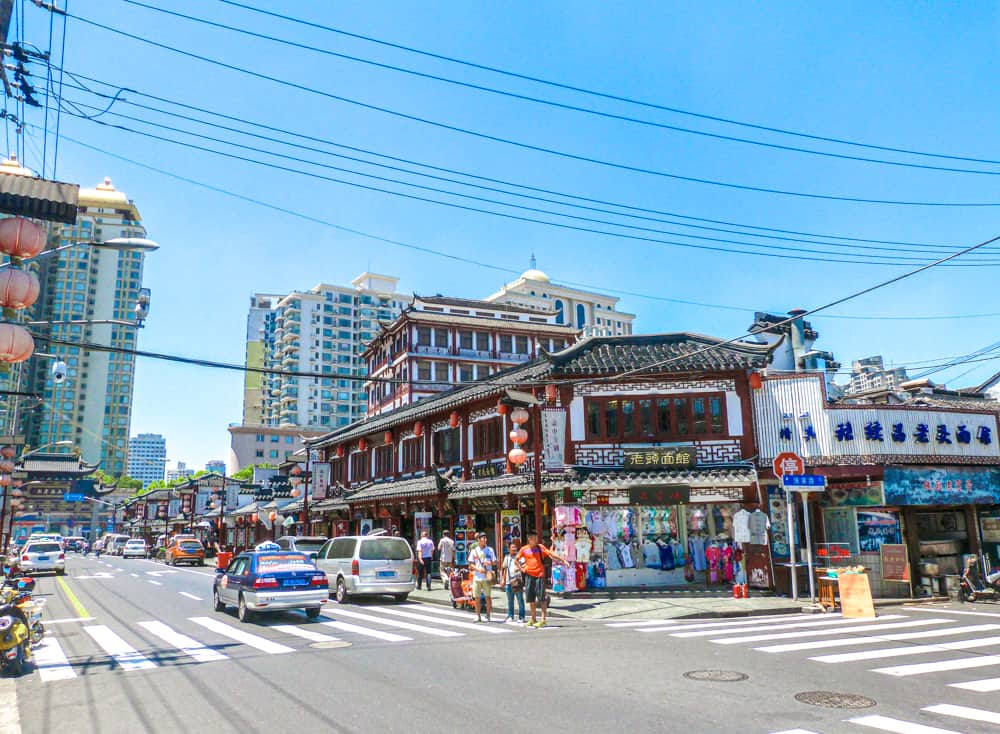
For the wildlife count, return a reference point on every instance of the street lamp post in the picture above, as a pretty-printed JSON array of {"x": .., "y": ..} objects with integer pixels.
[{"x": 299, "y": 477}]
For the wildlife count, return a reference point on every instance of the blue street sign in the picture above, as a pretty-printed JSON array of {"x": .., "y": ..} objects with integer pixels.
[
  {"x": 72, "y": 497},
  {"x": 804, "y": 482}
]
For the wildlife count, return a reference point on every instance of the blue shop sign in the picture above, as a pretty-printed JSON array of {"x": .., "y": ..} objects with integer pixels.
[{"x": 953, "y": 485}]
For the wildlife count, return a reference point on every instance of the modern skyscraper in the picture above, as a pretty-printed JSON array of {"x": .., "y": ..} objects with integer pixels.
[
  {"x": 593, "y": 314},
  {"x": 147, "y": 458},
  {"x": 322, "y": 332},
  {"x": 88, "y": 296},
  {"x": 181, "y": 471},
  {"x": 216, "y": 465}
]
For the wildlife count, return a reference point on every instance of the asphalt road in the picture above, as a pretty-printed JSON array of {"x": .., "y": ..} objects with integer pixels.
[{"x": 135, "y": 647}]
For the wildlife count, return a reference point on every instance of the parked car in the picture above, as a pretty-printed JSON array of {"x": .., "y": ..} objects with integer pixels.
[
  {"x": 309, "y": 545},
  {"x": 368, "y": 565},
  {"x": 135, "y": 548},
  {"x": 114, "y": 543},
  {"x": 270, "y": 581},
  {"x": 42, "y": 555},
  {"x": 75, "y": 542},
  {"x": 184, "y": 549}
]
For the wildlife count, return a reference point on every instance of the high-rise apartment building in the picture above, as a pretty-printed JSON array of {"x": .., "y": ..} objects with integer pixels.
[
  {"x": 217, "y": 466},
  {"x": 321, "y": 332},
  {"x": 181, "y": 471},
  {"x": 147, "y": 458},
  {"x": 870, "y": 373},
  {"x": 593, "y": 314},
  {"x": 88, "y": 296}
]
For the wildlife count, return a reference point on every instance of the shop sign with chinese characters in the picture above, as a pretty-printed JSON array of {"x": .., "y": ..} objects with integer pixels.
[
  {"x": 943, "y": 485},
  {"x": 660, "y": 457},
  {"x": 671, "y": 494},
  {"x": 793, "y": 415}
]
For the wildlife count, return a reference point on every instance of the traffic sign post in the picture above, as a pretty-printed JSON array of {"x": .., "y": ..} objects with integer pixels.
[
  {"x": 803, "y": 483},
  {"x": 789, "y": 463},
  {"x": 72, "y": 497}
]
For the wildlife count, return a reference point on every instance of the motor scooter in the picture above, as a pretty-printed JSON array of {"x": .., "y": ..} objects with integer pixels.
[{"x": 15, "y": 641}]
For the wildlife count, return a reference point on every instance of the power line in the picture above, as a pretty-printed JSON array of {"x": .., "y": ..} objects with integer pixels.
[
  {"x": 243, "y": 120},
  {"x": 439, "y": 253},
  {"x": 606, "y": 95},
  {"x": 911, "y": 248},
  {"x": 873, "y": 259},
  {"x": 549, "y": 102},
  {"x": 520, "y": 144}
]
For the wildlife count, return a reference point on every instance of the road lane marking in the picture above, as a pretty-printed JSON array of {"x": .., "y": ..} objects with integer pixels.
[
  {"x": 983, "y": 661},
  {"x": 261, "y": 643},
  {"x": 67, "y": 620},
  {"x": 895, "y": 725},
  {"x": 386, "y": 636},
  {"x": 487, "y": 627},
  {"x": 123, "y": 653},
  {"x": 938, "y": 610},
  {"x": 817, "y": 633},
  {"x": 10, "y": 720},
  {"x": 892, "y": 652},
  {"x": 677, "y": 625},
  {"x": 134, "y": 574},
  {"x": 796, "y": 731},
  {"x": 291, "y": 629},
  {"x": 396, "y": 623},
  {"x": 155, "y": 583},
  {"x": 783, "y": 626},
  {"x": 986, "y": 685},
  {"x": 185, "y": 644},
  {"x": 77, "y": 606},
  {"x": 923, "y": 634},
  {"x": 190, "y": 596},
  {"x": 435, "y": 609},
  {"x": 51, "y": 661},
  {"x": 964, "y": 712}
]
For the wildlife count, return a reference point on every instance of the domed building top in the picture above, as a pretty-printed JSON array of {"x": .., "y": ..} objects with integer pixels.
[
  {"x": 12, "y": 166},
  {"x": 106, "y": 196},
  {"x": 535, "y": 274}
]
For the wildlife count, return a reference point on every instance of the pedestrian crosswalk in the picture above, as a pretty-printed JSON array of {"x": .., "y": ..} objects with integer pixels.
[
  {"x": 903, "y": 645},
  {"x": 65, "y": 654}
]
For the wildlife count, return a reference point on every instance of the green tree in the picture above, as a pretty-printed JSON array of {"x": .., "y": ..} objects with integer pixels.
[{"x": 246, "y": 473}]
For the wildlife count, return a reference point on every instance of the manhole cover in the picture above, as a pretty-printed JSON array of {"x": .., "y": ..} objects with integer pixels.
[
  {"x": 833, "y": 700},
  {"x": 331, "y": 645},
  {"x": 719, "y": 676}
]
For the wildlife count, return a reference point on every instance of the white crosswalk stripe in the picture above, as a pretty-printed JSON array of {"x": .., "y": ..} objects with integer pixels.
[
  {"x": 780, "y": 626},
  {"x": 986, "y": 685},
  {"x": 51, "y": 661},
  {"x": 307, "y": 634},
  {"x": 814, "y": 633},
  {"x": 359, "y": 630},
  {"x": 876, "y": 639},
  {"x": 398, "y": 624},
  {"x": 982, "y": 661},
  {"x": 965, "y": 712},
  {"x": 885, "y": 723},
  {"x": 120, "y": 651},
  {"x": 261, "y": 643},
  {"x": 681, "y": 625},
  {"x": 185, "y": 644},
  {"x": 795, "y": 731},
  {"x": 892, "y": 652},
  {"x": 478, "y": 627}
]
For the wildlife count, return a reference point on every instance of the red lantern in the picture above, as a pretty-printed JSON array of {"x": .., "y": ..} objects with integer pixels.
[
  {"x": 551, "y": 393},
  {"x": 295, "y": 492},
  {"x": 21, "y": 237},
  {"x": 517, "y": 456},
  {"x": 519, "y": 435},
  {"x": 239, "y": 521},
  {"x": 296, "y": 470},
  {"x": 340, "y": 451},
  {"x": 453, "y": 419},
  {"x": 254, "y": 518},
  {"x": 520, "y": 416},
  {"x": 8, "y": 452},
  {"x": 6, "y": 466},
  {"x": 16, "y": 344},
  {"x": 756, "y": 383},
  {"x": 418, "y": 429},
  {"x": 273, "y": 516},
  {"x": 388, "y": 437},
  {"x": 18, "y": 288},
  {"x": 502, "y": 408},
  {"x": 362, "y": 445}
]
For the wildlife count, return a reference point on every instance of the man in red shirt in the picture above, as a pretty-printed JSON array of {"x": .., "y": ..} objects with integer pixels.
[{"x": 531, "y": 559}]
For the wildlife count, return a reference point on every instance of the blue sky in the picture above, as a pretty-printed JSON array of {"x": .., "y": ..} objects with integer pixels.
[{"x": 919, "y": 77}]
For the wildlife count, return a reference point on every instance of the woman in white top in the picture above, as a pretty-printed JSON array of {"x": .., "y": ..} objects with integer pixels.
[{"x": 512, "y": 580}]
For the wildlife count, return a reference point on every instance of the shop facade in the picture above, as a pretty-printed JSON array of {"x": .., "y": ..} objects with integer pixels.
[{"x": 909, "y": 490}]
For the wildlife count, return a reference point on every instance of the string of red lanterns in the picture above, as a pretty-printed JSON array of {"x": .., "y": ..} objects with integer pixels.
[
  {"x": 518, "y": 436},
  {"x": 20, "y": 239}
]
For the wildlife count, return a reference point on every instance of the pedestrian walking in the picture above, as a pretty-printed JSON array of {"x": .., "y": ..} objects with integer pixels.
[
  {"x": 531, "y": 558},
  {"x": 512, "y": 580},
  {"x": 446, "y": 555},
  {"x": 425, "y": 556},
  {"x": 482, "y": 561}
]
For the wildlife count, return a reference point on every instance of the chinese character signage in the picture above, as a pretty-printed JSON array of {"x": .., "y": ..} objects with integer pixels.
[
  {"x": 553, "y": 439},
  {"x": 487, "y": 471},
  {"x": 660, "y": 457},
  {"x": 671, "y": 494},
  {"x": 942, "y": 485}
]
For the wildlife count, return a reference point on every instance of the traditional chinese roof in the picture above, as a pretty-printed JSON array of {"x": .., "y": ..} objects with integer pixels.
[
  {"x": 56, "y": 467},
  {"x": 248, "y": 509},
  {"x": 678, "y": 352},
  {"x": 515, "y": 484},
  {"x": 38, "y": 198},
  {"x": 332, "y": 505},
  {"x": 471, "y": 304},
  {"x": 419, "y": 486},
  {"x": 737, "y": 475}
]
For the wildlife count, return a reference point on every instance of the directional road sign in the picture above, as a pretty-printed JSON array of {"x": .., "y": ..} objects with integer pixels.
[
  {"x": 804, "y": 482},
  {"x": 73, "y": 497}
]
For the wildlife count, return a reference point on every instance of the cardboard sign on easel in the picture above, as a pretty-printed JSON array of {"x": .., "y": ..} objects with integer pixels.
[{"x": 856, "y": 596}]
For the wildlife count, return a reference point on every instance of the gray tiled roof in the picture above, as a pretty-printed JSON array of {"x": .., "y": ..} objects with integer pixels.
[
  {"x": 738, "y": 475},
  {"x": 680, "y": 352},
  {"x": 516, "y": 484},
  {"x": 480, "y": 305},
  {"x": 405, "y": 488},
  {"x": 38, "y": 198}
]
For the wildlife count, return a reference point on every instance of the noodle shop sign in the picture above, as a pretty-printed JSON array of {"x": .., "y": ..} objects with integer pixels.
[
  {"x": 660, "y": 457},
  {"x": 670, "y": 494}
]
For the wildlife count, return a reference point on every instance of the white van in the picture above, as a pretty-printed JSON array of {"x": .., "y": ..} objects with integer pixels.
[{"x": 114, "y": 544}]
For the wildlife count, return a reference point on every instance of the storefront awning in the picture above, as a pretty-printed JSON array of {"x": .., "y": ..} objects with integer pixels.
[
  {"x": 515, "y": 484},
  {"x": 337, "y": 505},
  {"x": 722, "y": 476},
  {"x": 420, "y": 486}
]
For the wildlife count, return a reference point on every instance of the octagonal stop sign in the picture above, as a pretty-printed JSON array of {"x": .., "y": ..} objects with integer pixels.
[{"x": 788, "y": 462}]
